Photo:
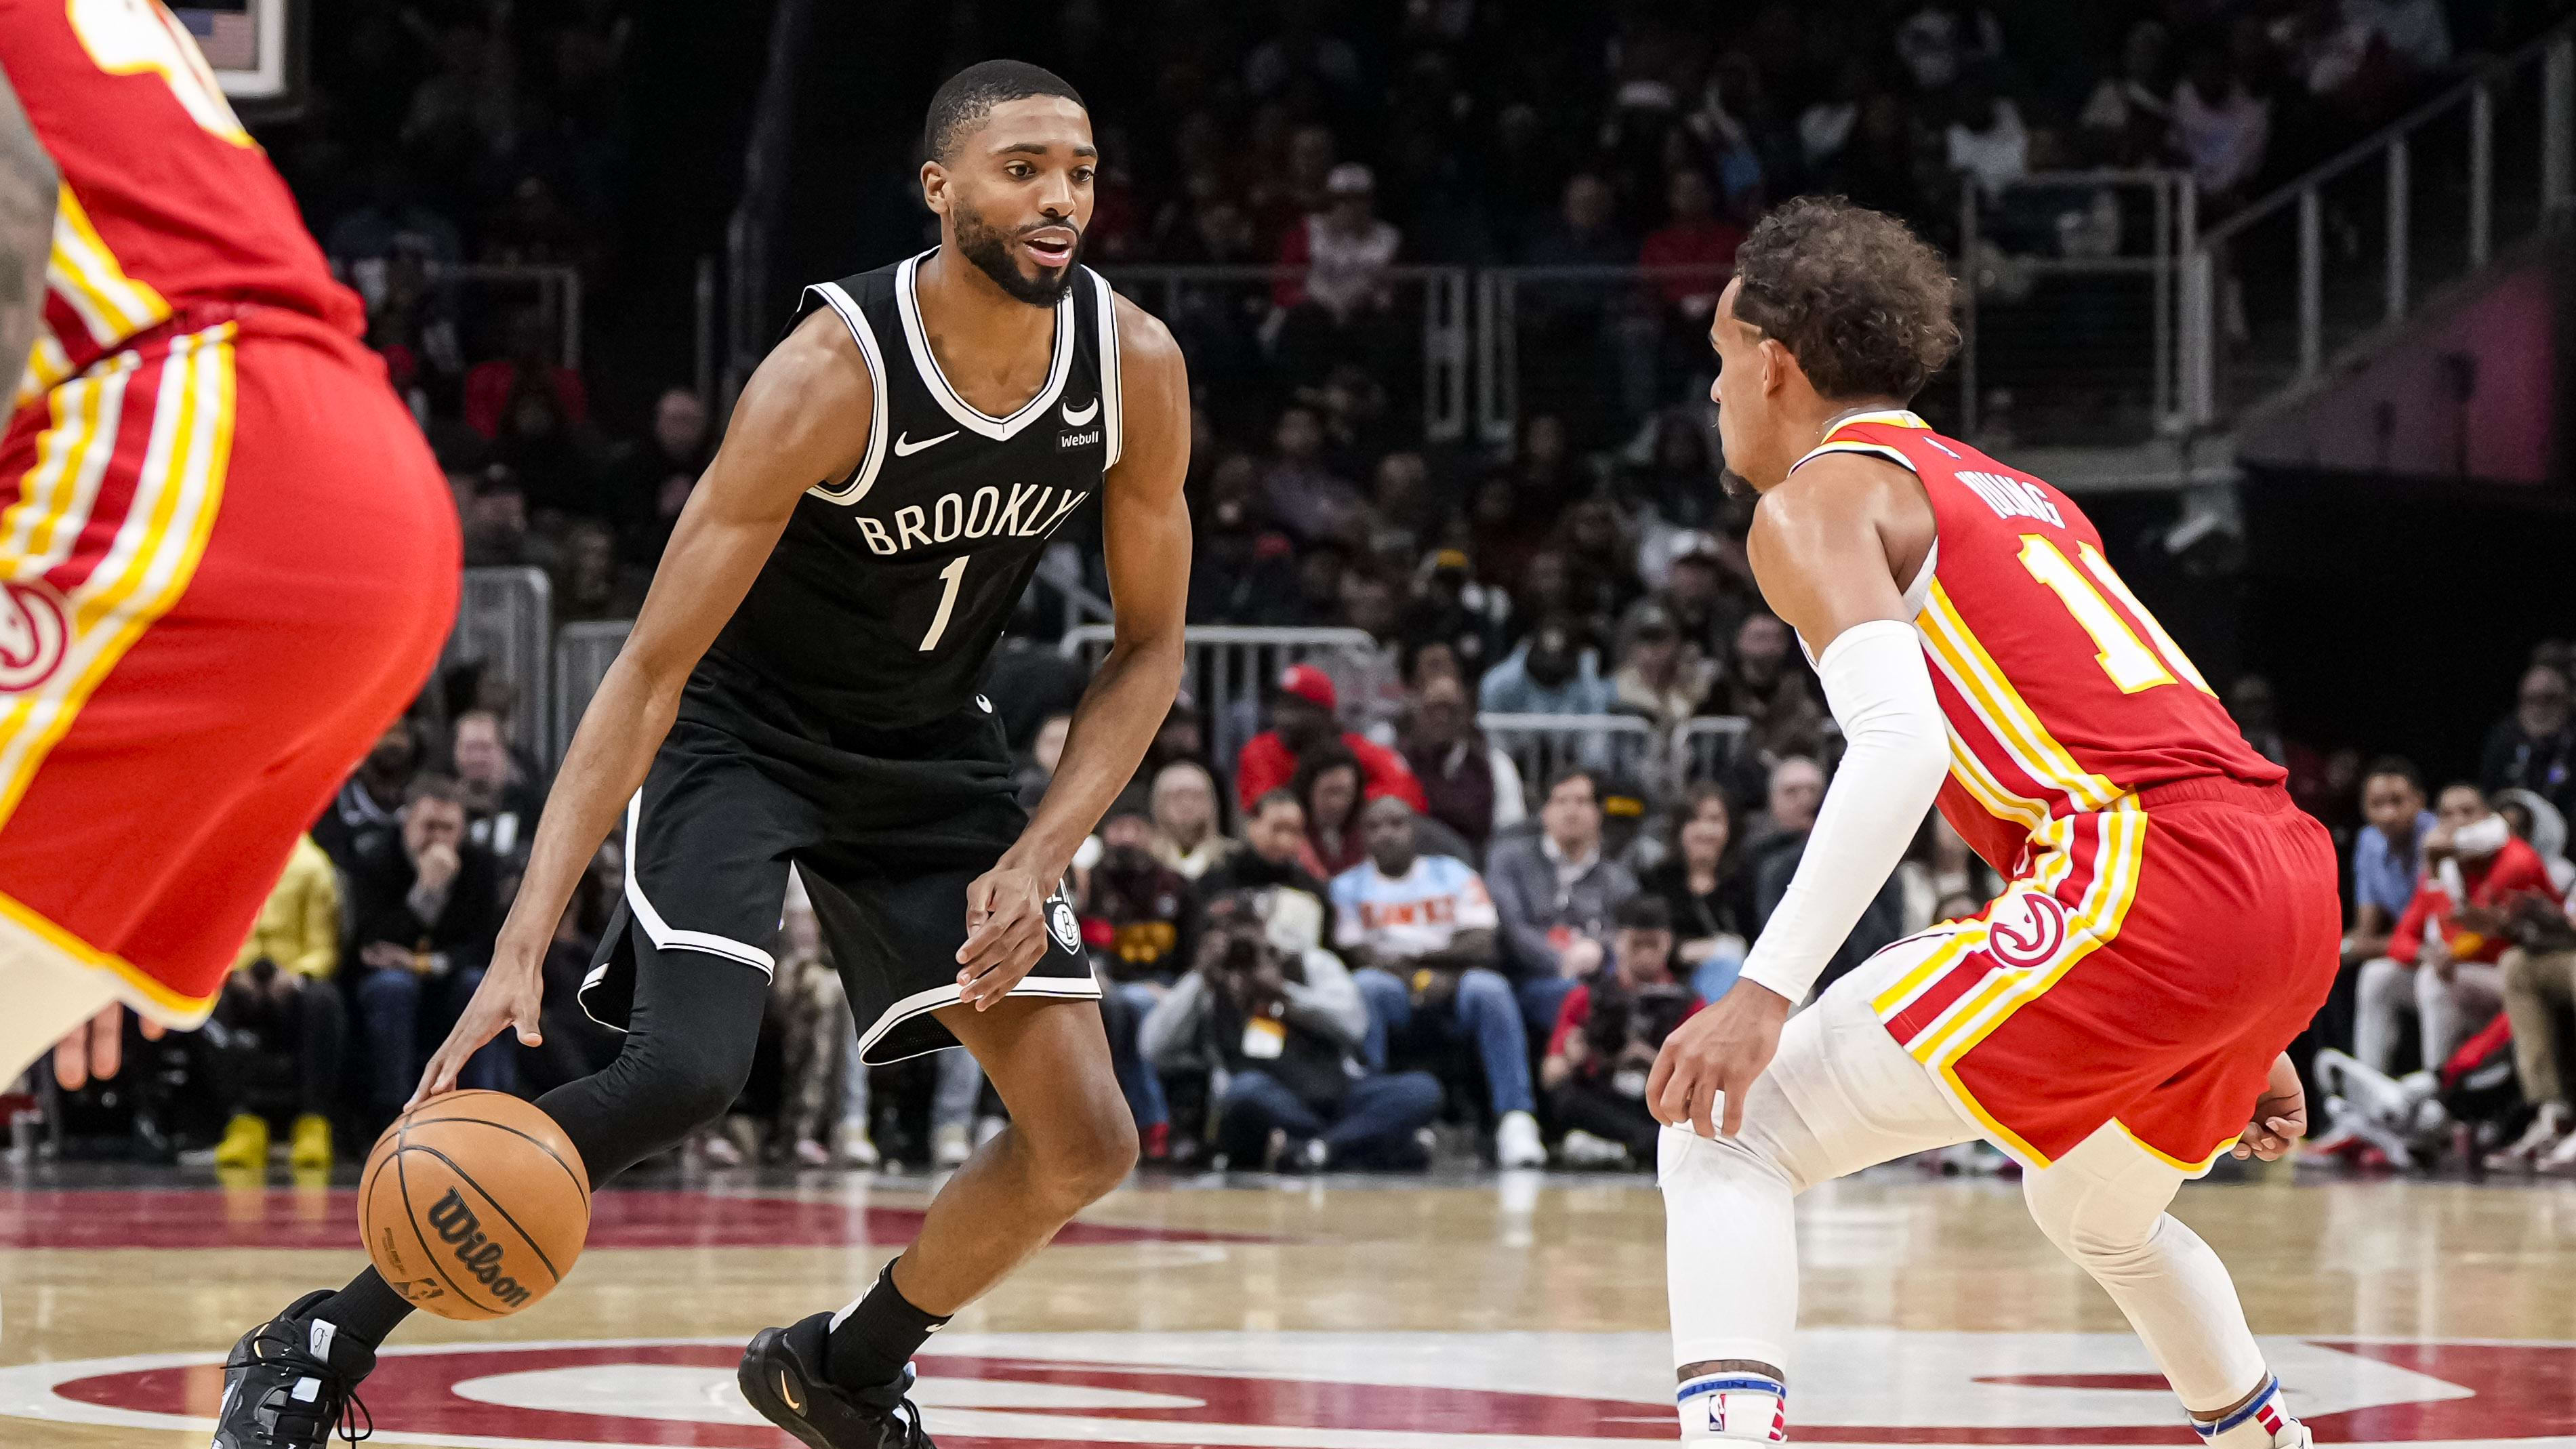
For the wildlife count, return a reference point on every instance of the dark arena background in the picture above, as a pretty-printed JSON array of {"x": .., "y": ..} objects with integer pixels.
[{"x": 2281, "y": 292}]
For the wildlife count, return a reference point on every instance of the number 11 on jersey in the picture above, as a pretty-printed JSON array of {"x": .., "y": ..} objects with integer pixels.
[{"x": 952, "y": 576}]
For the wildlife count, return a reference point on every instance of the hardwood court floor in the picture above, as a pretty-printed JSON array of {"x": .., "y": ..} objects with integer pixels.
[{"x": 1346, "y": 1314}]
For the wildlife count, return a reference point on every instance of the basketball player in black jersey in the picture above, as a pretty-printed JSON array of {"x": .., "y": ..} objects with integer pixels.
[{"x": 800, "y": 689}]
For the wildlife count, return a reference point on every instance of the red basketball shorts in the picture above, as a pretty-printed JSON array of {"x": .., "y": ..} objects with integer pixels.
[
  {"x": 2144, "y": 969},
  {"x": 229, "y": 562}
]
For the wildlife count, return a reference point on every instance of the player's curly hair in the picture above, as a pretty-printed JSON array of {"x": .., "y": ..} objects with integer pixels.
[{"x": 1862, "y": 302}]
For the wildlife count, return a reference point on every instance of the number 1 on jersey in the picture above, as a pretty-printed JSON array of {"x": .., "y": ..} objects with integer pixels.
[
  {"x": 953, "y": 575},
  {"x": 2129, "y": 660}
]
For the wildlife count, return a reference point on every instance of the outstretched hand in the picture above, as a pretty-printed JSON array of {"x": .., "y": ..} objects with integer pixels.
[{"x": 1719, "y": 1051}]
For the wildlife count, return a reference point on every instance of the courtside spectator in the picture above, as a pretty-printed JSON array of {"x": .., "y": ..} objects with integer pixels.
[
  {"x": 1659, "y": 677},
  {"x": 1797, "y": 790},
  {"x": 492, "y": 388},
  {"x": 1420, "y": 931},
  {"x": 2387, "y": 854},
  {"x": 1301, "y": 721},
  {"x": 1273, "y": 855},
  {"x": 1765, "y": 683},
  {"x": 501, "y": 803},
  {"x": 1142, "y": 921},
  {"x": 2539, "y": 986},
  {"x": 369, "y": 807},
  {"x": 1286, "y": 1029},
  {"x": 426, "y": 908},
  {"x": 2439, "y": 970},
  {"x": 1552, "y": 672},
  {"x": 1472, "y": 785},
  {"x": 1556, "y": 890},
  {"x": 2534, "y": 748},
  {"x": 1605, "y": 1039},
  {"x": 1708, "y": 899},
  {"x": 1186, "y": 837},
  {"x": 280, "y": 1029},
  {"x": 647, "y": 484}
]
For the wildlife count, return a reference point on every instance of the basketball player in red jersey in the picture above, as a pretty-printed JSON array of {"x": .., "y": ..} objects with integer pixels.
[
  {"x": 2116, "y": 1016},
  {"x": 227, "y": 559}
]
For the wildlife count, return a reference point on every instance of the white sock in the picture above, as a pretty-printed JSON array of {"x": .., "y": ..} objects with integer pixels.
[
  {"x": 2259, "y": 1425},
  {"x": 1733, "y": 1405}
]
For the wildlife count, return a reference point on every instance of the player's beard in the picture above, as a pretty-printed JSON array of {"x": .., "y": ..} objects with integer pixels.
[
  {"x": 1735, "y": 485},
  {"x": 989, "y": 248}
]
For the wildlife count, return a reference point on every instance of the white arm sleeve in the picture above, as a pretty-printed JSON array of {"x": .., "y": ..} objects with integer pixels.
[{"x": 1880, "y": 691}]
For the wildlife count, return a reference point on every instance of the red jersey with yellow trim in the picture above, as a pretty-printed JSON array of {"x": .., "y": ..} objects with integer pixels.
[
  {"x": 168, "y": 211},
  {"x": 2062, "y": 693}
]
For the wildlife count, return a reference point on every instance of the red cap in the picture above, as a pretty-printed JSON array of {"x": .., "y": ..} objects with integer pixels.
[{"x": 1311, "y": 685}]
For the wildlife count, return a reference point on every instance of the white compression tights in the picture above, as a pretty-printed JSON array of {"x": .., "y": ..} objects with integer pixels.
[{"x": 1842, "y": 1095}]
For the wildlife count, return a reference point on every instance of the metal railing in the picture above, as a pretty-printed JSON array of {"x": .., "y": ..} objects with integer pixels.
[
  {"x": 504, "y": 621},
  {"x": 2068, "y": 310},
  {"x": 1232, "y": 667},
  {"x": 1227, "y": 318},
  {"x": 2427, "y": 201},
  {"x": 1702, "y": 747},
  {"x": 1603, "y": 347},
  {"x": 583, "y": 653},
  {"x": 1621, "y": 745}
]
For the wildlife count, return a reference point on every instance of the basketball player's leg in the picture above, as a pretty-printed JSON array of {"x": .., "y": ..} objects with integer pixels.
[
  {"x": 1840, "y": 1096},
  {"x": 2104, "y": 1205}
]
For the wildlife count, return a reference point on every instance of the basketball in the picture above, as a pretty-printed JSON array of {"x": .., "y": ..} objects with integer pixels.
[{"x": 474, "y": 1205}]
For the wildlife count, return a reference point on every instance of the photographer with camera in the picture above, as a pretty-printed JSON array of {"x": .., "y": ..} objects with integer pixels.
[
  {"x": 1606, "y": 1038},
  {"x": 1285, "y": 1031}
]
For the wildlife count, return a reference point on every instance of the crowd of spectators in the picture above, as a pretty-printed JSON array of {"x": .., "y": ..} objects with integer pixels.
[{"x": 1376, "y": 915}]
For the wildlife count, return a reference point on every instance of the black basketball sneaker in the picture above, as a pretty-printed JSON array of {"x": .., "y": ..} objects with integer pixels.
[
  {"x": 782, "y": 1377},
  {"x": 292, "y": 1382}
]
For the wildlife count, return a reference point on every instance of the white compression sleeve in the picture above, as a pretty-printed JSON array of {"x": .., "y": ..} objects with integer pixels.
[{"x": 1880, "y": 690}]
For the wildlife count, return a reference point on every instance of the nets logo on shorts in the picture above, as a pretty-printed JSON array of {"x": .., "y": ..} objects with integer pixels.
[{"x": 1060, "y": 921}]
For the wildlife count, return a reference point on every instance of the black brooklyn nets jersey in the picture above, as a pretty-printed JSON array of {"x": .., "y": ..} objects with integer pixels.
[{"x": 890, "y": 587}]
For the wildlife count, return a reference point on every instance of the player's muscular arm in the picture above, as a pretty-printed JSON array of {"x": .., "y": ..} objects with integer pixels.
[
  {"x": 28, "y": 183},
  {"x": 1145, "y": 526},
  {"x": 1827, "y": 546},
  {"x": 802, "y": 420}
]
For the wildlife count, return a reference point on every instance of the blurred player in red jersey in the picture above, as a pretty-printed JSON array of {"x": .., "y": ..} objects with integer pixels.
[
  {"x": 2117, "y": 1015},
  {"x": 227, "y": 560}
]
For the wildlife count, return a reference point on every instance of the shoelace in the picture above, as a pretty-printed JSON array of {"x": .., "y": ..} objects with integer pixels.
[{"x": 345, "y": 1425}]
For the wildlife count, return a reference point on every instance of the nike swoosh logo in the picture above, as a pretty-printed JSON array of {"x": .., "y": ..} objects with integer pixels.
[
  {"x": 787, "y": 1394},
  {"x": 905, "y": 448},
  {"x": 1074, "y": 419}
]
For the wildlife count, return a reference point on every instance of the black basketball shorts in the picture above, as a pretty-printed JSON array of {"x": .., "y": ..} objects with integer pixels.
[{"x": 886, "y": 845}]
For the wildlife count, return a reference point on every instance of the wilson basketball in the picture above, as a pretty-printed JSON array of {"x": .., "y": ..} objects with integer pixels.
[{"x": 474, "y": 1205}]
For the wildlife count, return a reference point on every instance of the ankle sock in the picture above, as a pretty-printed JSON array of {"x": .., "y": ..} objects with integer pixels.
[
  {"x": 368, "y": 1310},
  {"x": 873, "y": 1338},
  {"x": 2263, "y": 1421},
  {"x": 1734, "y": 1405}
]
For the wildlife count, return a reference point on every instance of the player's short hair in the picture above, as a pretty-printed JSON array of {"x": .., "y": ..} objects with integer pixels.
[
  {"x": 970, "y": 95},
  {"x": 1862, "y": 302},
  {"x": 2399, "y": 766}
]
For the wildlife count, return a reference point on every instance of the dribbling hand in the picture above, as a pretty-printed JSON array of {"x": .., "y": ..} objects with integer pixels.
[
  {"x": 512, "y": 995},
  {"x": 1005, "y": 933},
  {"x": 1719, "y": 1050}
]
